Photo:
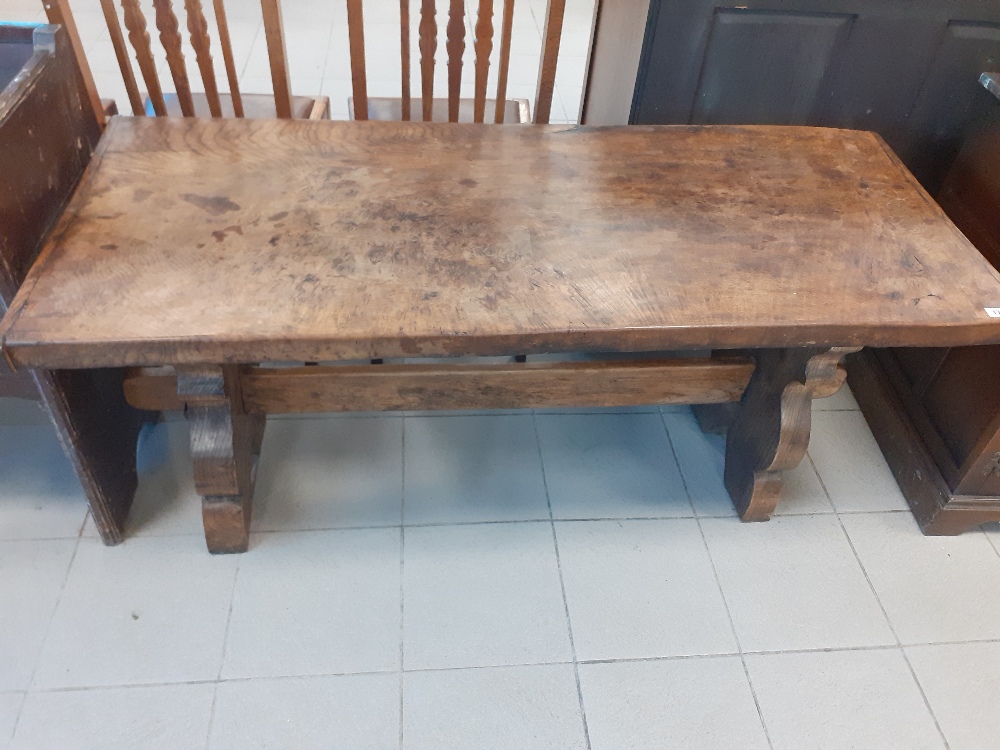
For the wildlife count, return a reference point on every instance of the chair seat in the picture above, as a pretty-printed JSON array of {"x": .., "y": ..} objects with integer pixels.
[
  {"x": 255, "y": 106},
  {"x": 387, "y": 108}
]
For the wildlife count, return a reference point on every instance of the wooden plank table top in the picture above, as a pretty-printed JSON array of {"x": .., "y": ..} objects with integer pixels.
[{"x": 247, "y": 241}]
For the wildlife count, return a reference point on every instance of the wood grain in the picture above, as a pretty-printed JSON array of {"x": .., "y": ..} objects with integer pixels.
[
  {"x": 356, "y": 39},
  {"x": 770, "y": 432},
  {"x": 428, "y": 48},
  {"x": 317, "y": 241},
  {"x": 227, "y": 57},
  {"x": 121, "y": 54},
  {"x": 484, "y": 47},
  {"x": 551, "y": 36},
  {"x": 58, "y": 13},
  {"x": 138, "y": 35},
  {"x": 201, "y": 43},
  {"x": 455, "y": 47},
  {"x": 465, "y": 386},
  {"x": 404, "y": 56},
  {"x": 170, "y": 38},
  {"x": 503, "y": 69},
  {"x": 274, "y": 35},
  {"x": 225, "y": 444}
]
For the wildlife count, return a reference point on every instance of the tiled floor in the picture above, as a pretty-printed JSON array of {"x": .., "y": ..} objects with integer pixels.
[
  {"x": 509, "y": 580},
  {"x": 516, "y": 580}
]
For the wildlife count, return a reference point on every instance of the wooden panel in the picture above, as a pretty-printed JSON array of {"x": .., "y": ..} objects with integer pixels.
[
  {"x": 58, "y": 13},
  {"x": 47, "y": 135},
  {"x": 467, "y": 386},
  {"x": 349, "y": 240},
  {"x": 964, "y": 399},
  {"x": 783, "y": 61}
]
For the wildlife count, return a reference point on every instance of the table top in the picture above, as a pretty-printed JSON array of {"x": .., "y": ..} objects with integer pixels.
[{"x": 246, "y": 241}]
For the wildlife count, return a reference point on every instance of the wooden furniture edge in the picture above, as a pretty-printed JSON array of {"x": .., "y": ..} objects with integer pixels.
[
  {"x": 275, "y": 390},
  {"x": 936, "y": 509}
]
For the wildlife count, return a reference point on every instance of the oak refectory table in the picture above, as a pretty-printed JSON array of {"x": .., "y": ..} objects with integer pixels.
[{"x": 205, "y": 252}]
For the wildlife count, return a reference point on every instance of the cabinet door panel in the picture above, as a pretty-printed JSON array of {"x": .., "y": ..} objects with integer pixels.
[
  {"x": 766, "y": 67},
  {"x": 949, "y": 99}
]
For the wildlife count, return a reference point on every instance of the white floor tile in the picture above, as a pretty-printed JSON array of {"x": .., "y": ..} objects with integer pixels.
[
  {"x": 611, "y": 466},
  {"x": 703, "y": 703},
  {"x": 789, "y": 583},
  {"x": 152, "y": 718},
  {"x": 41, "y": 495},
  {"x": 962, "y": 685},
  {"x": 701, "y": 459},
  {"x": 151, "y": 610},
  {"x": 476, "y": 468},
  {"x": 503, "y": 708},
  {"x": 482, "y": 595},
  {"x": 841, "y": 699},
  {"x": 325, "y": 473},
  {"x": 22, "y": 411},
  {"x": 10, "y": 709},
  {"x": 842, "y": 400},
  {"x": 934, "y": 588},
  {"x": 641, "y": 589},
  {"x": 32, "y": 574},
  {"x": 166, "y": 502},
  {"x": 318, "y": 602},
  {"x": 850, "y": 463},
  {"x": 348, "y": 712}
]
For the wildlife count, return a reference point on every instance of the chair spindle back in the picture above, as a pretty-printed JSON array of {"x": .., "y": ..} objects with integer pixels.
[
  {"x": 168, "y": 27},
  {"x": 455, "y": 48}
]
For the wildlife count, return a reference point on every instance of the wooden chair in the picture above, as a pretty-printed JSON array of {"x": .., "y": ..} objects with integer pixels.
[
  {"x": 212, "y": 103},
  {"x": 454, "y": 108}
]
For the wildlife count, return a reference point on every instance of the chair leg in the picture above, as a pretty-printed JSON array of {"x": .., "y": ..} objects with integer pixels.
[{"x": 225, "y": 445}]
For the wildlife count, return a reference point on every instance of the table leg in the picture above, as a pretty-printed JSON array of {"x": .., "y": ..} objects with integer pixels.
[
  {"x": 770, "y": 431},
  {"x": 225, "y": 444}
]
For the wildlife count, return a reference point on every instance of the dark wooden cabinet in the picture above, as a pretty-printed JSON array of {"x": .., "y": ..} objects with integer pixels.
[
  {"x": 936, "y": 412},
  {"x": 906, "y": 69}
]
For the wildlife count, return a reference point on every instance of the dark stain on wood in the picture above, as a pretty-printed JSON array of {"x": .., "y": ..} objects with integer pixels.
[{"x": 214, "y": 205}]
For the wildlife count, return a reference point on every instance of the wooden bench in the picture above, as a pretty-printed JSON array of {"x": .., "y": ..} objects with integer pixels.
[
  {"x": 48, "y": 131},
  {"x": 212, "y": 247}
]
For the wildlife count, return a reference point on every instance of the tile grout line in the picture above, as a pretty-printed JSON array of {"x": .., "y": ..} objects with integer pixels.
[
  {"x": 222, "y": 659},
  {"x": 989, "y": 538},
  {"x": 718, "y": 584},
  {"x": 48, "y": 629},
  {"x": 562, "y": 585},
  {"x": 417, "y": 670},
  {"x": 885, "y": 614},
  {"x": 402, "y": 550}
]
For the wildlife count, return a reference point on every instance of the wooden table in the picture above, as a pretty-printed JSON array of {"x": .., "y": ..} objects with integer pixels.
[{"x": 213, "y": 246}]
